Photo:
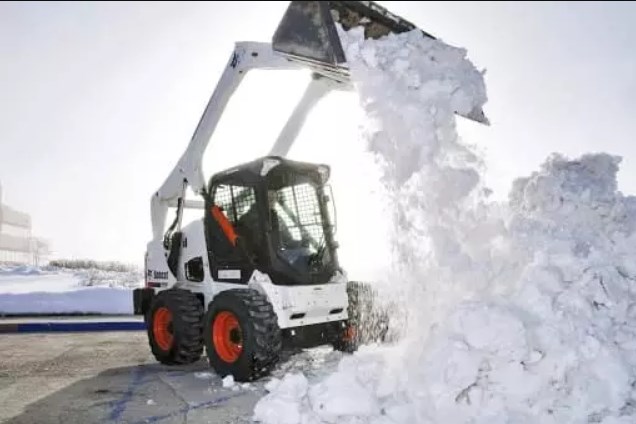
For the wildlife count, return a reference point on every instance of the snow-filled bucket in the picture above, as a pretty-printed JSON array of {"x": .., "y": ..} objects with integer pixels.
[{"x": 308, "y": 33}]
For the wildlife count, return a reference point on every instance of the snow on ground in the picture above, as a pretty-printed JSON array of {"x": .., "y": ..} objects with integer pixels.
[
  {"x": 31, "y": 290},
  {"x": 520, "y": 312}
]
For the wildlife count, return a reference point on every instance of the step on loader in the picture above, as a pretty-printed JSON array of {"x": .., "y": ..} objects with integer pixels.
[{"x": 260, "y": 268}]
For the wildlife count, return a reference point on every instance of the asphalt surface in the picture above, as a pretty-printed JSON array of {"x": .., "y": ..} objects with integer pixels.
[{"x": 110, "y": 377}]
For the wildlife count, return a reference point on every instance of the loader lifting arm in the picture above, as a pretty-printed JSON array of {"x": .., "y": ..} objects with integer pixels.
[{"x": 188, "y": 171}]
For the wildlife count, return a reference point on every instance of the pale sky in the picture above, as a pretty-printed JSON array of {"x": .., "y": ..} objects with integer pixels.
[{"x": 99, "y": 100}]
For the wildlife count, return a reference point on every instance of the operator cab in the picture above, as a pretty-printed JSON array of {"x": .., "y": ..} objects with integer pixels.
[{"x": 273, "y": 215}]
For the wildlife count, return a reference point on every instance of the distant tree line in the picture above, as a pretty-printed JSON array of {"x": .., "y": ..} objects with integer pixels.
[{"x": 90, "y": 264}]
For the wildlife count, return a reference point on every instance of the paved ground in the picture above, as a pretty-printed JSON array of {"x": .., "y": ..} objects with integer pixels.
[
  {"x": 109, "y": 378},
  {"x": 85, "y": 378}
]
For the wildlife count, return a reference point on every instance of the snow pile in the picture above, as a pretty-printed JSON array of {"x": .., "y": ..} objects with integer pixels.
[
  {"x": 556, "y": 343},
  {"x": 95, "y": 273},
  {"x": 51, "y": 290},
  {"x": 19, "y": 270},
  {"x": 228, "y": 382},
  {"x": 515, "y": 313},
  {"x": 103, "y": 278}
]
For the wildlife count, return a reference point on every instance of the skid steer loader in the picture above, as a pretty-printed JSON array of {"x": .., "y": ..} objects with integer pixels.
[{"x": 259, "y": 269}]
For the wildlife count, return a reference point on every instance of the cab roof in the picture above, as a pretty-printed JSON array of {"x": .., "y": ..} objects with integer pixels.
[{"x": 266, "y": 168}]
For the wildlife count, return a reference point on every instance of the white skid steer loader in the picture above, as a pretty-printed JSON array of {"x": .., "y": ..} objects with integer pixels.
[{"x": 259, "y": 269}]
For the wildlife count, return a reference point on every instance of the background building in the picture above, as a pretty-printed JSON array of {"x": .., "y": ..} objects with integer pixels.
[{"x": 17, "y": 244}]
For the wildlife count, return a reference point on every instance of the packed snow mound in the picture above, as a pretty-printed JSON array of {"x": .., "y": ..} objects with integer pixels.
[
  {"x": 87, "y": 277},
  {"x": 558, "y": 344},
  {"x": 521, "y": 312},
  {"x": 20, "y": 270},
  {"x": 103, "y": 278},
  {"x": 53, "y": 290}
]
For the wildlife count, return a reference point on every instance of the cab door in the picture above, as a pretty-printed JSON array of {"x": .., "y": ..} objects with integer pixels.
[{"x": 231, "y": 211}]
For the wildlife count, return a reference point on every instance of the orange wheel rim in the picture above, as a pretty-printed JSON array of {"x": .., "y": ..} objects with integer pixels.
[
  {"x": 350, "y": 333},
  {"x": 162, "y": 328},
  {"x": 227, "y": 336}
]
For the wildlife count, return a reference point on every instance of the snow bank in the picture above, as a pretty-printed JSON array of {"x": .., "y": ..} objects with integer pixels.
[
  {"x": 31, "y": 290},
  {"x": 106, "y": 301},
  {"x": 19, "y": 270},
  {"x": 520, "y": 312}
]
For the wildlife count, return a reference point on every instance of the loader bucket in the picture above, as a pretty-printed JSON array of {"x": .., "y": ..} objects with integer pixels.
[
  {"x": 308, "y": 34},
  {"x": 308, "y": 28}
]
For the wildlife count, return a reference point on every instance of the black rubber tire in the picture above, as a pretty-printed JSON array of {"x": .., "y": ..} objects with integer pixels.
[
  {"x": 369, "y": 323},
  {"x": 261, "y": 336},
  {"x": 343, "y": 341},
  {"x": 187, "y": 327}
]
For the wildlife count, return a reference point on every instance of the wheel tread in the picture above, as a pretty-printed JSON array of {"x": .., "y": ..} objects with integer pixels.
[
  {"x": 187, "y": 314},
  {"x": 263, "y": 322}
]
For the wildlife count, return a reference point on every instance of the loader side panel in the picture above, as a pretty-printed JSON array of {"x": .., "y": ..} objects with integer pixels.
[{"x": 158, "y": 274}]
